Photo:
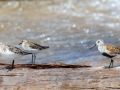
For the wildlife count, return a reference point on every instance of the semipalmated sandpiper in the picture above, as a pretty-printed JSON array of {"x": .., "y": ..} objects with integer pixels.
[
  {"x": 11, "y": 52},
  {"x": 32, "y": 48}
]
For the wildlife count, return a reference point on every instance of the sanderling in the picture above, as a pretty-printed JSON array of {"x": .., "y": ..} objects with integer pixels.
[
  {"x": 32, "y": 48},
  {"x": 107, "y": 50},
  {"x": 11, "y": 52}
]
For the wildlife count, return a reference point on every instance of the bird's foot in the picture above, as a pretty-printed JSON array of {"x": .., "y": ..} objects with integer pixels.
[
  {"x": 9, "y": 68},
  {"x": 31, "y": 63}
]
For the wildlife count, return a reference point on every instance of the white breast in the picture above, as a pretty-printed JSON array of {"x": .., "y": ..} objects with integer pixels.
[
  {"x": 102, "y": 49},
  {"x": 29, "y": 49},
  {"x": 8, "y": 54}
]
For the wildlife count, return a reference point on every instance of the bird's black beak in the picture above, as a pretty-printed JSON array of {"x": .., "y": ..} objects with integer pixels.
[
  {"x": 92, "y": 47},
  {"x": 20, "y": 43}
]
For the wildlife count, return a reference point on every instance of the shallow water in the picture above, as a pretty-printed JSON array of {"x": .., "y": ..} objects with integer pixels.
[{"x": 69, "y": 27}]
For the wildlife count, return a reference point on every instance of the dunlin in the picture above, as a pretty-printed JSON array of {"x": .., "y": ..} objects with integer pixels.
[
  {"x": 32, "y": 48},
  {"x": 107, "y": 50}
]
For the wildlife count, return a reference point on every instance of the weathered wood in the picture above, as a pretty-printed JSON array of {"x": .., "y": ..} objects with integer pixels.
[{"x": 96, "y": 78}]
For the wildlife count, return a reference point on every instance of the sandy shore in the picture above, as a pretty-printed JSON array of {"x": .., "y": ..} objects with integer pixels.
[{"x": 86, "y": 78}]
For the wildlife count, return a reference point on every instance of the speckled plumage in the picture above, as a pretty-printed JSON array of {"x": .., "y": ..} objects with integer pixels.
[
  {"x": 107, "y": 50},
  {"x": 11, "y": 52},
  {"x": 17, "y": 50},
  {"x": 112, "y": 49},
  {"x": 35, "y": 46},
  {"x": 32, "y": 47}
]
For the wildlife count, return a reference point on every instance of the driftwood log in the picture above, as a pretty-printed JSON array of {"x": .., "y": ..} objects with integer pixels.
[{"x": 46, "y": 66}]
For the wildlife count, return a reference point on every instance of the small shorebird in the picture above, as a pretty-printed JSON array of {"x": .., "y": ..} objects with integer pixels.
[
  {"x": 11, "y": 52},
  {"x": 32, "y": 48},
  {"x": 107, "y": 50}
]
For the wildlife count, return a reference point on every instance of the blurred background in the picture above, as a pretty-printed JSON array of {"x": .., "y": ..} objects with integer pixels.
[{"x": 69, "y": 27}]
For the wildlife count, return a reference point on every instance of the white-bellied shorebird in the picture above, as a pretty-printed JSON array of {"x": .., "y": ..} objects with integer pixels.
[
  {"x": 107, "y": 50},
  {"x": 11, "y": 52},
  {"x": 32, "y": 48}
]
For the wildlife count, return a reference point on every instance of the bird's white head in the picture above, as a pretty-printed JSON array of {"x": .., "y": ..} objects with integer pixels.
[
  {"x": 24, "y": 41},
  {"x": 99, "y": 42}
]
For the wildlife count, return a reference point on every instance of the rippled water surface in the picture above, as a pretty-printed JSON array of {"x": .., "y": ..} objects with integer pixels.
[{"x": 69, "y": 27}]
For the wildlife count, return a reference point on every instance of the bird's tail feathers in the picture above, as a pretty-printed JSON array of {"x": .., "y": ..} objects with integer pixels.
[{"x": 43, "y": 47}]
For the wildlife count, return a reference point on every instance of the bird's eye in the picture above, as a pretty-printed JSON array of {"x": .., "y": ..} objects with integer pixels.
[{"x": 98, "y": 41}]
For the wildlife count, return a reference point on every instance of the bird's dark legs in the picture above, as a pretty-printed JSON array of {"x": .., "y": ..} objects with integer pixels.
[
  {"x": 111, "y": 63},
  {"x": 12, "y": 65},
  {"x": 34, "y": 58},
  {"x": 10, "y": 69}
]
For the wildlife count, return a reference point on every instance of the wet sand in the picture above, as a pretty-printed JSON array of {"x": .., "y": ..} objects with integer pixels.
[{"x": 85, "y": 78}]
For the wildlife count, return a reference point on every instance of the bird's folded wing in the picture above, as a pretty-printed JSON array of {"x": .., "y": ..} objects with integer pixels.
[
  {"x": 34, "y": 45},
  {"x": 113, "y": 49},
  {"x": 37, "y": 46},
  {"x": 17, "y": 50}
]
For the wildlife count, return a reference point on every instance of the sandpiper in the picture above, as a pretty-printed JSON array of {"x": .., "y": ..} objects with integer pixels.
[
  {"x": 107, "y": 50},
  {"x": 32, "y": 48},
  {"x": 11, "y": 52}
]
